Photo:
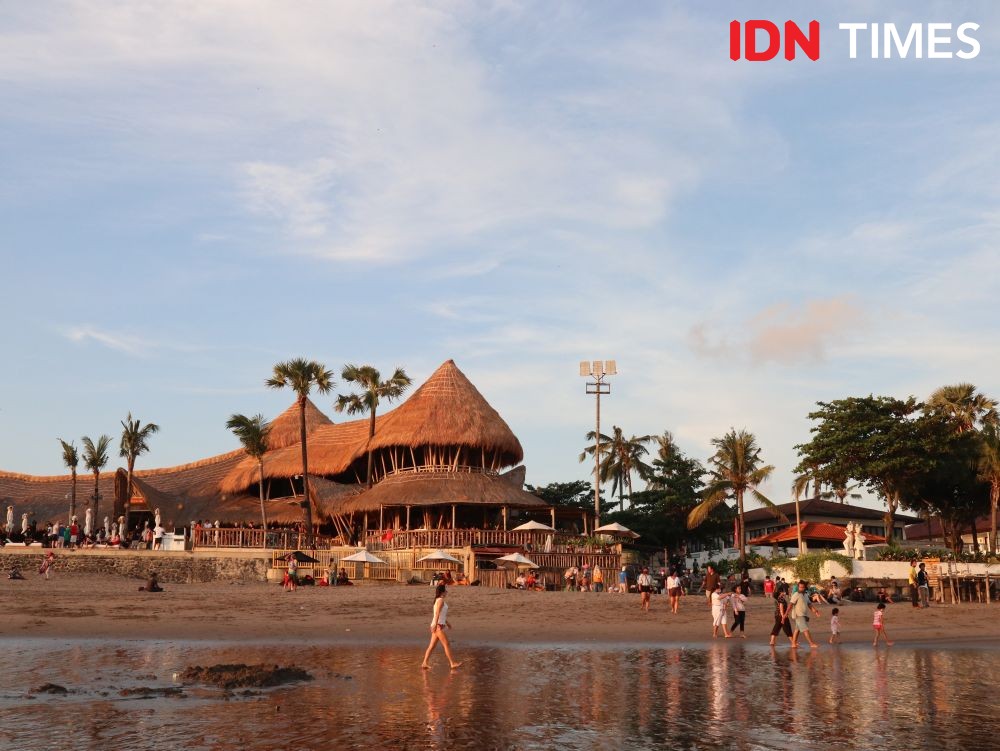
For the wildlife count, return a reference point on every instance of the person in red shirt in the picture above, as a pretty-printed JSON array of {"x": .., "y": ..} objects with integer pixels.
[{"x": 768, "y": 586}]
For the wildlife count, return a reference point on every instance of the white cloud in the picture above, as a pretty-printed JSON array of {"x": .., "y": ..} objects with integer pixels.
[{"x": 127, "y": 343}]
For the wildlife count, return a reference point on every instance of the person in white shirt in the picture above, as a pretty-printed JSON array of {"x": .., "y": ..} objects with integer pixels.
[
  {"x": 439, "y": 622},
  {"x": 738, "y": 601},
  {"x": 719, "y": 611},
  {"x": 645, "y": 584},
  {"x": 158, "y": 537},
  {"x": 674, "y": 589}
]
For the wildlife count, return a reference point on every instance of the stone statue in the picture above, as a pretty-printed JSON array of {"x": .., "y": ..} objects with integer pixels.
[
  {"x": 24, "y": 524},
  {"x": 156, "y": 515},
  {"x": 849, "y": 540},
  {"x": 859, "y": 544},
  {"x": 107, "y": 526}
]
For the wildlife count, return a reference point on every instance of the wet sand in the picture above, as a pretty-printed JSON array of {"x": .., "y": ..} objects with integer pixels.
[{"x": 94, "y": 607}]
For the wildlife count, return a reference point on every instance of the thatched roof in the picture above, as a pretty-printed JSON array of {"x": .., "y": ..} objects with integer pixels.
[
  {"x": 433, "y": 488},
  {"x": 285, "y": 427},
  {"x": 447, "y": 410}
]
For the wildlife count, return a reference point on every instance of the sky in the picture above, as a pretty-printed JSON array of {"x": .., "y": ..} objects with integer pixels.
[{"x": 194, "y": 191}]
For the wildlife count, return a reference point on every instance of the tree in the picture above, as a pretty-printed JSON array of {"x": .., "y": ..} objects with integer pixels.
[
  {"x": 874, "y": 440},
  {"x": 301, "y": 376},
  {"x": 659, "y": 513},
  {"x": 71, "y": 458},
  {"x": 621, "y": 457},
  {"x": 989, "y": 471},
  {"x": 964, "y": 405},
  {"x": 735, "y": 468},
  {"x": 95, "y": 458},
  {"x": 133, "y": 444},
  {"x": 252, "y": 433},
  {"x": 373, "y": 390}
]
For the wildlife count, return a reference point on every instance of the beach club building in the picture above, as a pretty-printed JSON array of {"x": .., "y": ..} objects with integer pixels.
[{"x": 447, "y": 474}]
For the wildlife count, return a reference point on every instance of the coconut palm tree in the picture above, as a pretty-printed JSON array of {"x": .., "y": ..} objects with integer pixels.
[
  {"x": 95, "y": 458},
  {"x": 372, "y": 391},
  {"x": 621, "y": 458},
  {"x": 301, "y": 376},
  {"x": 965, "y": 405},
  {"x": 252, "y": 433},
  {"x": 989, "y": 471},
  {"x": 132, "y": 445},
  {"x": 735, "y": 468},
  {"x": 71, "y": 458}
]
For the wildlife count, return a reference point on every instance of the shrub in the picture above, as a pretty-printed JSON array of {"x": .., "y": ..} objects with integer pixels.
[{"x": 808, "y": 566}]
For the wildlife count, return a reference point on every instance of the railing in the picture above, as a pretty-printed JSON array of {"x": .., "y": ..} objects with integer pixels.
[
  {"x": 257, "y": 538},
  {"x": 450, "y": 468},
  {"x": 461, "y": 538}
]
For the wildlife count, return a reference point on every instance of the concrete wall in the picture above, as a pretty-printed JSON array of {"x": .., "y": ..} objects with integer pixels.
[{"x": 246, "y": 566}]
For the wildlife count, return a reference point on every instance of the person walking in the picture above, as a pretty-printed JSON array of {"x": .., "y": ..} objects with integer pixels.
[
  {"x": 924, "y": 585},
  {"x": 878, "y": 624},
  {"x": 710, "y": 582},
  {"x": 598, "y": 577},
  {"x": 158, "y": 533},
  {"x": 835, "y": 626},
  {"x": 768, "y": 586},
  {"x": 439, "y": 622},
  {"x": 801, "y": 607},
  {"x": 781, "y": 613},
  {"x": 674, "y": 589},
  {"x": 912, "y": 581},
  {"x": 291, "y": 575},
  {"x": 718, "y": 600},
  {"x": 623, "y": 581},
  {"x": 47, "y": 564},
  {"x": 645, "y": 584},
  {"x": 738, "y": 600}
]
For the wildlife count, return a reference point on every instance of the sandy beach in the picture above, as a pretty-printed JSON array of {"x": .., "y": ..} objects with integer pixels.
[{"x": 91, "y": 606}]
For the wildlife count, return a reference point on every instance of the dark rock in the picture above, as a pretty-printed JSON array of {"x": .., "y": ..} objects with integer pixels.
[
  {"x": 152, "y": 691},
  {"x": 50, "y": 688},
  {"x": 242, "y": 676}
]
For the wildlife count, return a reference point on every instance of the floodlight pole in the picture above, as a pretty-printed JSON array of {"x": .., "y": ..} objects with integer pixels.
[{"x": 598, "y": 370}]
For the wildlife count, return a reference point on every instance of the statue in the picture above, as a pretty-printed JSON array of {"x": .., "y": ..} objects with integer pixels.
[
  {"x": 107, "y": 527},
  {"x": 849, "y": 540},
  {"x": 156, "y": 515},
  {"x": 859, "y": 544},
  {"x": 88, "y": 523},
  {"x": 10, "y": 519},
  {"x": 24, "y": 524}
]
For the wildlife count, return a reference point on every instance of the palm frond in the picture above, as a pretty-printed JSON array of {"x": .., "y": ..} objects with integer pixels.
[{"x": 702, "y": 511}]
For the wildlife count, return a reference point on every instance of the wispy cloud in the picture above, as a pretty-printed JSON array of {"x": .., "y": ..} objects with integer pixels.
[{"x": 127, "y": 343}]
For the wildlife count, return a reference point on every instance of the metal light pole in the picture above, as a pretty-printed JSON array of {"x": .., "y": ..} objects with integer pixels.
[{"x": 597, "y": 371}]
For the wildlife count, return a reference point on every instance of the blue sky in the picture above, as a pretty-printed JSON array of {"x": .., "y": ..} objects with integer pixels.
[{"x": 193, "y": 191}]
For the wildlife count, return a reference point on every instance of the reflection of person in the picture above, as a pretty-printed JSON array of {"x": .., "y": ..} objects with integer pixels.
[{"x": 439, "y": 622}]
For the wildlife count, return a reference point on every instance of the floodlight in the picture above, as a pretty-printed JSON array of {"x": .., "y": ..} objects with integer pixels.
[
  {"x": 598, "y": 369},
  {"x": 610, "y": 368},
  {"x": 584, "y": 368}
]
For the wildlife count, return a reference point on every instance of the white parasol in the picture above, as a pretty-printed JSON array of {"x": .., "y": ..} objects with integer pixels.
[
  {"x": 533, "y": 527},
  {"x": 438, "y": 555},
  {"x": 88, "y": 522},
  {"x": 518, "y": 561},
  {"x": 24, "y": 524},
  {"x": 10, "y": 518},
  {"x": 617, "y": 529},
  {"x": 107, "y": 526},
  {"x": 362, "y": 556}
]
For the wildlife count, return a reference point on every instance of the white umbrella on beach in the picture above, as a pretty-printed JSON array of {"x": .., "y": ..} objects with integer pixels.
[
  {"x": 24, "y": 524},
  {"x": 362, "y": 556},
  {"x": 518, "y": 561},
  {"x": 438, "y": 555},
  {"x": 10, "y": 519},
  {"x": 533, "y": 527},
  {"x": 617, "y": 529},
  {"x": 107, "y": 527},
  {"x": 88, "y": 522}
]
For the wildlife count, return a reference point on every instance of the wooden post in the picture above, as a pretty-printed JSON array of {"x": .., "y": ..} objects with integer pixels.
[
  {"x": 407, "y": 518},
  {"x": 381, "y": 519},
  {"x": 364, "y": 532},
  {"x": 504, "y": 513},
  {"x": 552, "y": 513},
  {"x": 453, "y": 517}
]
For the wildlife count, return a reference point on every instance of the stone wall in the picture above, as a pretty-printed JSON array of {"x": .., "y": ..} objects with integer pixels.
[{"x": 170, "y": 567}]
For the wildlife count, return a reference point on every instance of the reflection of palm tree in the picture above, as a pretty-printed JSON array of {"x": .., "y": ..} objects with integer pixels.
[
  {"x": 252, "y": 433},
  {"x": 622, "y": 457},
  {"x": 301, "y": 375},
  {"x": 71, "y": 458},
  {"x": 989, "y": 471},
  {"x": 965, "y": 405},
  {"x": 735, "y": 468},
  {"x": 373, "y": 391}
]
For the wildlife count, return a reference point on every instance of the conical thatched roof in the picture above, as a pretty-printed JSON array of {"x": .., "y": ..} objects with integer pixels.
[
  {"x": 449, "y": 411},
  {"x": 285, "y": 427}
]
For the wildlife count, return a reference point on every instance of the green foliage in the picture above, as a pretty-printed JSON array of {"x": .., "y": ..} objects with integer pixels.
[
  {"x": 908, "y": 554},
  {"x": 252, "y": 433},
  {"x": 578, "y": 494},
  {"x": 620, "y": 458},
  {"x": 808, "y": 566}
]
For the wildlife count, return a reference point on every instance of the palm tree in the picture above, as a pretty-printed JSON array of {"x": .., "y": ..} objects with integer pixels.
[
  {"x": 95, "y": 458},
  {"x": 133, "y": 443},
  {"x": 965, "y": 405},
  {"x": 373, "y": 390},
  {"x": 253, "y": 433},
  {"x": 841, "y": 493},
  {"x": 621, "y": 457},
  {"x": 989, "y": 471},
  {"x": 71, "y": 458},
  {"x": 735, "y": 468},
  {"x": 301, "y": 375}
]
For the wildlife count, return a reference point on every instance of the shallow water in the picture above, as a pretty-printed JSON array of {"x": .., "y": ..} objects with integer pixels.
[{"x": 726, "y": 696}]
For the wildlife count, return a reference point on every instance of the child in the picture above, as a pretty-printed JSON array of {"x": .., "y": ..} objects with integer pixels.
[
  {"x": 739, "y": 602},
  {"x": 835, "y": 626},
  {"x": 719, "y": 611},
  {"x": 879, "y": 625},
  {"x": 47, "y": 564}
]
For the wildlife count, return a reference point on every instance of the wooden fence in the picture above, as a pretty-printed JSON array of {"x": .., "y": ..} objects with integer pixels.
[
  {"x": 285, "y": 539},
  {"x": 480, "y": 538}
]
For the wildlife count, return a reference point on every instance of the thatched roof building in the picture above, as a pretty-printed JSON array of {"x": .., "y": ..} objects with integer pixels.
[{"x": 444, "y": 445}]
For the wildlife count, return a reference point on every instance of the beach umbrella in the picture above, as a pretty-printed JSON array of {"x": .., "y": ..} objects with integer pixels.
[
  {"x": 617, "y": 529},
  {"x": 10, "y": 518},
  {"x": 24, "y": 524},
  {"x": 533, "y": 527},
  {"x": 362, "y": 556},
  {"x": 438, "y": 555},
  {"x": 518, "y": 561},
  {"x": 301, "y": 557},
  {"x": 88, "y": 522},
  {"x": 107, "y": 526}
]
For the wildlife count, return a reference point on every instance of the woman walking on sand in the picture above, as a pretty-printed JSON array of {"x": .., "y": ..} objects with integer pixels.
[
  {"x": 674, "y": 590},
  {"x": 439, "y": 622},
  {"x": 739, "y": 602}
]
